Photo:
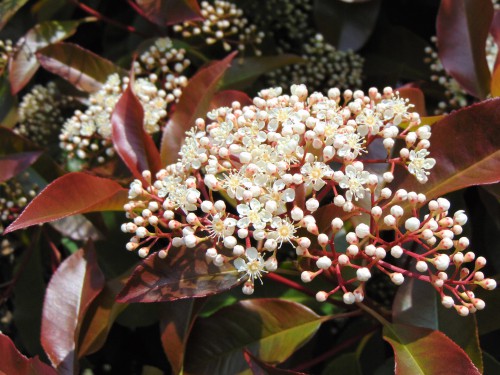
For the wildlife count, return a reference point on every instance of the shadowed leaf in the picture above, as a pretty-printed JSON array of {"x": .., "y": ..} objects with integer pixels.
[
  {"x": 73, "y": 193},
  {"x": 7, "y": 10},
  {"x": 271, "y": 329},
  {"x": 227, "y": 97},
  {"x": 261, "y": 368},
  {"x": 169, "y": 12},
  {"x": 13, "y": 164},
  {"x": 24, "y": 63},
  {"x": 13, "y": 362},
  {"x": 133, "y": 144},
  {"x": 176, "y": 321},
  {"x": 72, "y": 288},
  {"x": 184, "y": 273},
  {"x": 462, "y": 28},
  {"x": 82, "y": 68},
  {"x": 194, "y": 103},
  {"x": 424, "y": 351}
]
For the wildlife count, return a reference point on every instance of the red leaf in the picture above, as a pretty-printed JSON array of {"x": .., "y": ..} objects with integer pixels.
[
  {"x": 133, "y": 144},
  {"x": 169, "y": 12},
  {"x": 194, "y": 103},
  {"x": 71, "y": 194},
  {"x": 466, "y": 146},
  {"x": 13, "y": 164},
  {"x": 462, "y": 29},
  {"x": 80, "y": 67},
  {"x": 72, "y": 288},
  {"x": 184, "y": 274},
  {"x": 416, "y": 97},
  {"x": 227, "y": 97}
]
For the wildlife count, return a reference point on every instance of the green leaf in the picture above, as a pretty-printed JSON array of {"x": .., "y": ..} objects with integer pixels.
[
  {"x": 488, "y": 318},
  {"x": 80, "y": 67},
  {"x": 8, "y": 104},
  {"x": 462, "y": 29},
  {"x": 7, "y": 10},
  {"x": 249, "y": 69},
  {"x": 424, "y": 351},
  {"x": 24, "y": 63},
  {"x": 491, "y": 365},
  {"x": 271, "y": 329},
  {"x": 345, "y": 364}
]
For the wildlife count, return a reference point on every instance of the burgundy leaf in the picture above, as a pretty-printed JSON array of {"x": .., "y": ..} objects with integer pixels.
[
  {"x": 133, "y": 144},
  {"x": 13, "y": 362},
  {"x": 73, "y": 193},
  {"x": 169, "y": 12},
  {"x": 416, "y": 97},
  {"x": 462, "y": 29},
  {"x": 183, "y": 274},
  {"x": 194, "y": 103},
  {"x": 13, "y": 164},
  {"x": 227, "y": 97},
  {"x": 72, "y": 288}
]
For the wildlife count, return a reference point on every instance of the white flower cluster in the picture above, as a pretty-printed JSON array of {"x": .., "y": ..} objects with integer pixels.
[
  {"x": 41, "y": 114},
  {"x": 13, "y": 199},
  {"x": 223, "y": 22},
  {"x": 237, "y": 182},
  {"x": 168, "y": 64},
  {"x": 87, "y": 135},
  {"x": 324, "y": 67},
  {"x": 6, "y": 49},
  {"x": 456, "y": 96}
]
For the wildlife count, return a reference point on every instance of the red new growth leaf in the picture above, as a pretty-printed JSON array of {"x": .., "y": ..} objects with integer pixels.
[
  {"x": 13, "y": 164},
  {"x": 416, "y": 97},
  {"x": 71, "y": 194},
  {"x": 194, "y": 103},
  {"x": 72, "y": 288},
  {"x": 462, "y": 29},
  {"x": 13, "y": 362},
  {"x": 227, "y": 97},
  {"x": 133, "y": 144},
  {"x": 169, "y": 12},
  {"x": 183, "y": 274}
]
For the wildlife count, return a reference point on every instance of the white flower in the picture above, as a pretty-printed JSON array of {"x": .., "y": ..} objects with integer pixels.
[
  {"x": 235, "y": 184},
  {"x": 253, "y": 266},
  {"x": 314, "y": 173},
  {"x": 284, "y": 230},
  {"x": 368, "y": 121},
  {"x": 221, "y": 228},
  {"x": 418, "y": 164},
  {"x": 253, "y": 213},
  {"x": 353, "y": 180}
]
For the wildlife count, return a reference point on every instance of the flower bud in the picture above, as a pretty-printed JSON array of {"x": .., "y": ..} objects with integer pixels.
[
  {"x": 363, "y": 274},
  {"x": 324, "y": 263}
]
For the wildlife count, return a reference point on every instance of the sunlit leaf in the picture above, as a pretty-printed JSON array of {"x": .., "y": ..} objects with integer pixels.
[
  {"x": 462, "y": 29},
  {"x": 184, "y": 273},
  {"x": 73, "y": 193},
  {"x": 135, "y": 147},
  {"x": 7, "y": 10},
  {"x": 424, "y": 351},
  {"x": 13, "y": 164},
  {"x": 346, "y": 26},
  {"x": 194, "y": 103},
  {"x": 72, "y": 288},
  {"x": 13, "y": 362},
  {"x": 271, "y": 329},
  {"x": 176, "y": 321},
  {"x": 169, "y": 12},
  {"x": 82, "y": 68},
  {"x": 24, "y": 63}
]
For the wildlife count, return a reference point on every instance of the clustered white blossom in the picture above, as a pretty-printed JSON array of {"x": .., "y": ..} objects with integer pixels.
[
  {"x": 6, "y": 49},
  {"x": 87, "y": 135},
  {"x": 168, "y": 64},
  {"x": 41, "y": 113},
  {"x": 225, "y": 24},
  {"x": 250, "y": 181},
  {"x": 14, "y": 196},
  {"x": 324, "y": 67},
  {"x": 456, "y": 96}
]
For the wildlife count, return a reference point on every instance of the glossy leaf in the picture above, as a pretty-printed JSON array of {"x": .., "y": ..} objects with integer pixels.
[
  {"x": 8, "y": 8},
  {"x": 82, "y": 68},
  {"x": 13, "y": 164},
  {"x": 133, "y": 144},
  {"x": 424, "y": 351},
  {"x": 462, "y": 29},
  {"x": 271, "y": 329},
  {"x": 466, "y": 146},
  {"x": 184, "y": 273},
  {"x": 24, "y": 63},
  {"x": 71, "y": 194},
  {"x": 75, "y": 284},
  {"x": 169, "y": 12},
  {"x": 261, "y": 368},
  {"x": 346, "y": 26},
  {"x": 13, "y": 362},
  {"x": 245, "y": 72},
  {"x": 176, "y": 322},
  {"x": 227, "y": 97},
  {"x": 194, "y": 103}
]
